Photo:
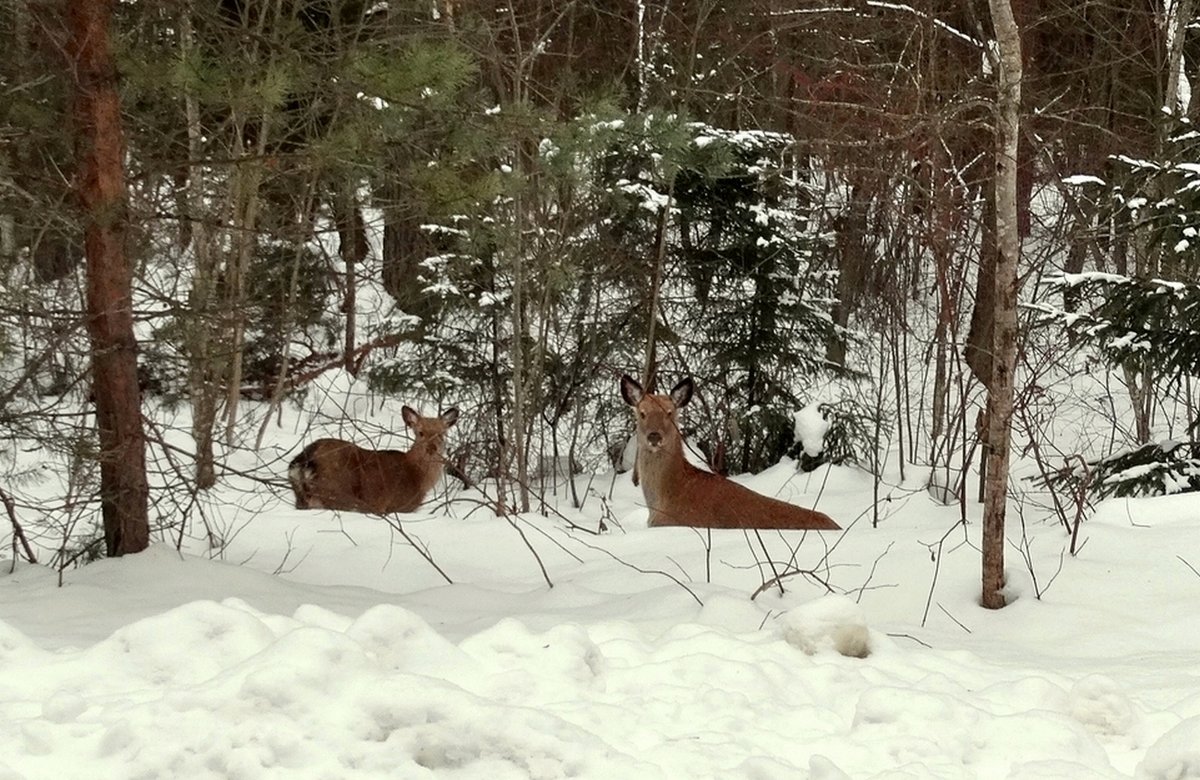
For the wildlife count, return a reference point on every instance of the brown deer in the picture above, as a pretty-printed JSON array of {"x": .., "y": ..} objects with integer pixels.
[
  {"x": 335, "y": 474},
  {"x": 678, "y": 493}
]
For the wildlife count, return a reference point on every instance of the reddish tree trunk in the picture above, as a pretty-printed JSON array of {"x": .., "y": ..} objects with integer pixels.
[{"x": 100, "y": 182}]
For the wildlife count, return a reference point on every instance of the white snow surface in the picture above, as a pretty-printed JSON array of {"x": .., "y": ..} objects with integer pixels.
[{"x": 320, "y": 645}]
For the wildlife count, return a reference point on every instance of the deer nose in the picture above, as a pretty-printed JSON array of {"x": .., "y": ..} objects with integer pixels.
[{"x": 654, "y": 437}]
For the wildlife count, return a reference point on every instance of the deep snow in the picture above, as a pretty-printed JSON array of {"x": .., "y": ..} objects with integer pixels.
[{"x": 648, "y": 658}]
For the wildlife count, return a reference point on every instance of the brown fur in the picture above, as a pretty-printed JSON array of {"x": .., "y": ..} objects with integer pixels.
[
  {"x": 678, "y": 493},
  {"x": 335, "y": 474}
]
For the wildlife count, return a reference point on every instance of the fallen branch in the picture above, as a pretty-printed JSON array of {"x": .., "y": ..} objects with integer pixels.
[{"x": 358, "y": 357}]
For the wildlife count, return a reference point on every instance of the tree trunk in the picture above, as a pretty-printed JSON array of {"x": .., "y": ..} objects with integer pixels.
[
  {"x": 100, "y": 183},
  {"x": 981, "y": 335},
  {"x": 204, "y": 334},
  {"x": 352, "y": 246},
  {"x": 850, "y": 243},
  {"x": 405, "y": 245},
  {"x": 8, "y": 221},
  {"x": 650, "y": 367},
  {"x": 245, "y": 200},
  {"x": 245, "y": 197},
  {"x": 520, "y": 418},
  {"x": 19, "y": 14},
  {"x": 1178, "y": 21},
  {"x": 1004, "y": 320}
]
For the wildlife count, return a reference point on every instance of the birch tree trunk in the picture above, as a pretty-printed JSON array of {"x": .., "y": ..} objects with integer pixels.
[
  {"x": 100, "y": 184},
  {"x": 1178, "y": 20},
  {"x": 1004, "y": 339}
]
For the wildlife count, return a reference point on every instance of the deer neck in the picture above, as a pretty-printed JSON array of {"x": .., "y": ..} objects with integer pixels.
[
  {"x": 660, "y": 471},
  {"x": 427, "y": 455}
]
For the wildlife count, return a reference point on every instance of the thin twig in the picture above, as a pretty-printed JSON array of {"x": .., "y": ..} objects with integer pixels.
[
  {"x": 774, "y": 571},
  {"x": 946, "y": 612},
  {"x": 552, "y": 540},
  {"x": 528, "y": 544},
  {"x": 640, "y": 570},
  {"x": 871, "y": 574},
  {"x": 18, "y": 531},
  {"x": 913, "y": 638},
  {"x": 937, "y": 566},
  {"x": 395, "y": 523},
  {"x": 810, "y": 573}
]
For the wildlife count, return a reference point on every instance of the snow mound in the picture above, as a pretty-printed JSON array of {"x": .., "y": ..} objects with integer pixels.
[
  {"x": 1175, "y": 756},
  {"x": 1102, "y": 707},
  {"x": 829, "y": 623},
  {"x": 809, "y": 427},
  {"x": 244, "y": 695}
]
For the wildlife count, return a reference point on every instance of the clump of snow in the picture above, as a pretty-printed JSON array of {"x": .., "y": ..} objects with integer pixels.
[
  {"x": 1081, "y": 179},
  {"x": 819, "y": 768},
  {"x": 831, "y": 622},
  {"x": 1099, "y": 704},
  {"x": 63, "y": 707},
  {"x": 809, "y": 428}
]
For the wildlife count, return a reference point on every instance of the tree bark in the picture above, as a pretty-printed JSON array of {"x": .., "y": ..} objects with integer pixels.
[
  {"x": 245, "y": 200},
  {"x": 850, "y": 242},
  {"x": 353, "y": 248},
  {"x": 244, "y": 195},
  {"x": 1004, "y": 343},
  {"x": 100, "y": 185},
  {"x": 650, "y": 367},
  {"x": 981, "y": 335},
  {"x": 204, "y": 334},
  {"x": 520, "y": 418}
]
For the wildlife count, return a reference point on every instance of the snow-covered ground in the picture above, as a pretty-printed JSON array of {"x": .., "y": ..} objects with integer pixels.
[{"x": 322, "y": 645}]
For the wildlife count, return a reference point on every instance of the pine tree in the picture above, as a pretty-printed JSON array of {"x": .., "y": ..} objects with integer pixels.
[
  {"x": 762, "y": 314},
  {"x": 1146, "y": 326}
]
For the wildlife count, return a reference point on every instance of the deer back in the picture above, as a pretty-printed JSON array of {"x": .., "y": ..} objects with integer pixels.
[{"x": 336, "y": 474}]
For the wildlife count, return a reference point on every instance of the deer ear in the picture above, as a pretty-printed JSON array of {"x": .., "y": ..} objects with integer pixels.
[
  {"x": 682, "y": 392},
  {"x": 631, "y": 391},
  {"x": 409, "y": 415},
  {"x": 450, "y": 416}
]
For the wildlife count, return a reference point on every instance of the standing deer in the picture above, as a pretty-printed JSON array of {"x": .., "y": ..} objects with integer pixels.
[
  {"x": 678, "y": 493},
  {"x": 335, "y": 474}
]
